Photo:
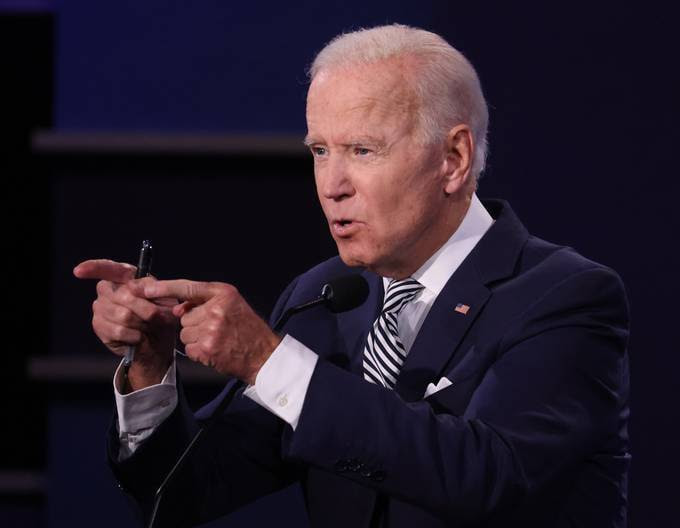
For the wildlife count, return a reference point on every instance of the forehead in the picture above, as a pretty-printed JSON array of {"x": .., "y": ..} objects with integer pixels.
[{"x": 360, "y": 97}]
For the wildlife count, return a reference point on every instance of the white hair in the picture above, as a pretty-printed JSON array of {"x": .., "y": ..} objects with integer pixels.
[{"x": 446, "y": 84}]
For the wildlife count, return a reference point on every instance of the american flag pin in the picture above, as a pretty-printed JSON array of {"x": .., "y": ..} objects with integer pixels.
[{"x": 462, "y": 308}]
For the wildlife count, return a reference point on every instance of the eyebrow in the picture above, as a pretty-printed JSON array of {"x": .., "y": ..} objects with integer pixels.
[
  {"x": 366, "y": 139},
  {"x": 359, "y": 140}
]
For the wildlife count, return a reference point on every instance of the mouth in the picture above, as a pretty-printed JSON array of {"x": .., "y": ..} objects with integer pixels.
[{"x": 344, "y": 227}]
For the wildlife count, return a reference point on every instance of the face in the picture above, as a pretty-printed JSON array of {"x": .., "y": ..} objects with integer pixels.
[{"x": 382, "y": 191}]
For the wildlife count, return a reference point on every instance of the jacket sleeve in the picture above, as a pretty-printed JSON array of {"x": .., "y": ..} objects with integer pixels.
[
  {"x": 554, "y": 392},
  {"x": 238, "y": 460}
]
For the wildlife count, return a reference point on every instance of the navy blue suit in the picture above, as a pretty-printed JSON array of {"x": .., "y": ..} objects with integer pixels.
[{"x": 532, "y": 431}]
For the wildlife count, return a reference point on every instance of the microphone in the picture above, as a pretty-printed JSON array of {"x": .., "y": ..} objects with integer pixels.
[
  {"x": 345, "y": 293},
  {"x": 338, "y": 295}
]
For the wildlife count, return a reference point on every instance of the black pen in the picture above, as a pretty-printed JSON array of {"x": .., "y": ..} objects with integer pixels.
[{"x": 143, "y": 270}]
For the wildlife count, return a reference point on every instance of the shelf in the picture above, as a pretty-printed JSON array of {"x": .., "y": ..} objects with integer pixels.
[
  {"x": 82, "y": 369},
  {"x": 89, "y": 142}
]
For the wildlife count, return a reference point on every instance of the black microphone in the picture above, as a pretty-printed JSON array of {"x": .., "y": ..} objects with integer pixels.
[
  {"x": 345, "y": 293},
  {"x": 338, "y": 295}
]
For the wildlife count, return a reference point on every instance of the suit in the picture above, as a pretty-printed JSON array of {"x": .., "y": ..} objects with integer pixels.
[{"x": 532, "y": 430}]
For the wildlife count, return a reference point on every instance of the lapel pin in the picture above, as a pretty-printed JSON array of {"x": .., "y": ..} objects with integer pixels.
[{"x": 462, "y": 308}]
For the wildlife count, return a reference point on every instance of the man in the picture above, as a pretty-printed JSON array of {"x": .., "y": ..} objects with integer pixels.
[{"x": 483, "y": 382}]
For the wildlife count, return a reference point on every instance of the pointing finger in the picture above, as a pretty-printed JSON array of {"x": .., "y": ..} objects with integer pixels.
[
  {"x": 137, "y": 287},
  {"x": 185, "y": 290},
  {"x": 104, "y": 269}
]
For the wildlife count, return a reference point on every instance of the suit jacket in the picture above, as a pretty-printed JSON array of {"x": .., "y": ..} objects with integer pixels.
[{"x": 531, "y": 432}]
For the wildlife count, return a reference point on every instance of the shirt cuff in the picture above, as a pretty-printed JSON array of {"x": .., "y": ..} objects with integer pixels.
[
  {"x": 282, "y": 382},
  {"x": 145, "y": 408}
]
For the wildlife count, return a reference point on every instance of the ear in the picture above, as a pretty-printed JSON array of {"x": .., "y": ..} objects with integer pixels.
[{"x": 459, "y": 153}]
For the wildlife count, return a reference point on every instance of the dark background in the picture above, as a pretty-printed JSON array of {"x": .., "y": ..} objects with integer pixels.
[{"x": 181, "y": 122}]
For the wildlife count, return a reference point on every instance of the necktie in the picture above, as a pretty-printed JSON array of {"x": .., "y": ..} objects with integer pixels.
[{"x": 384, "y": 353}]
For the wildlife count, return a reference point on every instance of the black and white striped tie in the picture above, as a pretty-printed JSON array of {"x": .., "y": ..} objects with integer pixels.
[{"x": 384, "y": 353}]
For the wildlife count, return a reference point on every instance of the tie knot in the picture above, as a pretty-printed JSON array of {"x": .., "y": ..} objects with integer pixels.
[{"x": 400, "y": 292}]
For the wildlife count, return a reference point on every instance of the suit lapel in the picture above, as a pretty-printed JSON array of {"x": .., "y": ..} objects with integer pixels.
[
  {"x": 442, "y": 331},
  {"x": 493, "y": 259}
]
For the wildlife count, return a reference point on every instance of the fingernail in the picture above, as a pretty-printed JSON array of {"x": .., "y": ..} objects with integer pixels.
[{"x": 149, "y": 291}]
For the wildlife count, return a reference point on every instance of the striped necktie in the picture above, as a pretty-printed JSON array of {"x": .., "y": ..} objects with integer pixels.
[{"x": 384, "y": 353}]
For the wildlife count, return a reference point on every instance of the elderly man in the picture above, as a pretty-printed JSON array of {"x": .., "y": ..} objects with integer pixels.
[{"x": 483, "y": 382}]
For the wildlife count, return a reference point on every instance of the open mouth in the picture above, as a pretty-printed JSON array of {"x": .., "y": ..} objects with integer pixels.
[{"x": 343, "y": 227}]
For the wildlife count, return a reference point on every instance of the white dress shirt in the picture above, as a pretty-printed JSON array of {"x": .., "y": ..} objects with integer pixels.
[{"x": 282, "y": 382}]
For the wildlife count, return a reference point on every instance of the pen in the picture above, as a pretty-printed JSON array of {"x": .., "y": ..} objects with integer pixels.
[{"x": 143, "y": 270}]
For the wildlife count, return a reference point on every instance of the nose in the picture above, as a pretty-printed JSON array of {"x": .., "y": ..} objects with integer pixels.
[{"x": 334, "y": 179}]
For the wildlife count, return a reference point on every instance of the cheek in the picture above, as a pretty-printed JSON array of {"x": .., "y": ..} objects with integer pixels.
[
  {"x": 399, "y": 217},
  {"x": 317, "y": 187},
  {"x": 321, "y": 201},
  {"x": 389, "y": 216}
]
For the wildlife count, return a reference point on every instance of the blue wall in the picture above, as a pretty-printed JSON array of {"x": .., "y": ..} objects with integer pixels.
[{"x": 209, "y": 65}]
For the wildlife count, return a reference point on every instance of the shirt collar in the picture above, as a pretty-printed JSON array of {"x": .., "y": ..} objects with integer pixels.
[{"x": 437, "y": 270}]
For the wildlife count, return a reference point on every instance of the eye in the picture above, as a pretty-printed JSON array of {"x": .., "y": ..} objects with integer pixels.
[
  {"x": 362, "y": 151},
  {"x": 318, "y": 151}
]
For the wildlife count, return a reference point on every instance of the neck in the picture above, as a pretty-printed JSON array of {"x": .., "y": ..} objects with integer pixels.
[{"x": 450, "y": 222}]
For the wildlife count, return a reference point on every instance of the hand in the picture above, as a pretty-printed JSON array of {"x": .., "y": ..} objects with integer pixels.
[
  {"x": 219, "y": 328},
  {"x": 123, "y": 317}
]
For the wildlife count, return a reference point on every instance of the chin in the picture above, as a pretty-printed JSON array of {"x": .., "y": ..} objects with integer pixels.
[
  {"x": 371, "y": 262},
  {"x": 353, "y": 260}
]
